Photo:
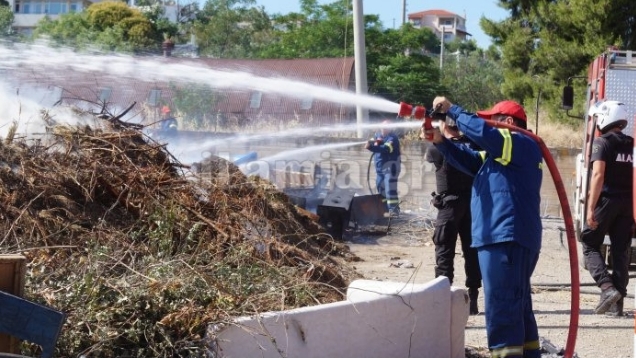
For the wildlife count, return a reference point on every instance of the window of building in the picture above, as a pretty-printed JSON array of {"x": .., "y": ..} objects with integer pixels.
[
  {"x": 306, "y": 103},
  {"x": 417, "y": 22},
  {"x": 154, "y": 96},
  {"x": 447, "y": 22},
  {"x": 255, "y": 99},
  {"x": 104, "y": 94}
]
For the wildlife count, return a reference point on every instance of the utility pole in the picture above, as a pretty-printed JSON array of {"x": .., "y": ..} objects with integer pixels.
[
  {"x": 441, "y": 49},
  {"x": 362, "y": 114},
  {"x": 403, "y": 12}
]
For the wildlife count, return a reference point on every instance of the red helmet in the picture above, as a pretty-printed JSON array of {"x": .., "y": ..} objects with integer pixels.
[{"x": 165, "y": 109}]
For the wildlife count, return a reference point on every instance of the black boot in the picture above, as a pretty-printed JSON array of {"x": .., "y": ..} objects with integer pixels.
[
  {"x": 616, "y": 310},
  {"x": 609, "y": 296},
  {"x": 473, "y": 294}
]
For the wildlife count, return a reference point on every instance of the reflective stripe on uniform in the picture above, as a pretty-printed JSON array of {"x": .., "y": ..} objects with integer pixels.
[
  {"x": 392, "y": 201},
  {"x": 388, "y": 144},
  {"x": 506, "y": 150},
  {"x": 483, "y": 154},
  {"x": 516, "y": 351},
  {"x": 532, "y": 345}
]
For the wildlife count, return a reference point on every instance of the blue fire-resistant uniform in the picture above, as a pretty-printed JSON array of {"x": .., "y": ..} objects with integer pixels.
[
  {"x": 506, "y": 227},
  {"x": 386, "y": 157}
]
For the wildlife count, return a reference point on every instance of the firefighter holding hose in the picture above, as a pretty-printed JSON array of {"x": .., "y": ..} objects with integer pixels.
[
  {"x": 609, "y": 206},
  {"x": 385, "y": 146},
  {"x": 506, "y": 222}
]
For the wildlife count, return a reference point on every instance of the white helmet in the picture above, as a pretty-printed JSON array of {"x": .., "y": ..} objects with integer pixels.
[{"x": 608, "y": 113}]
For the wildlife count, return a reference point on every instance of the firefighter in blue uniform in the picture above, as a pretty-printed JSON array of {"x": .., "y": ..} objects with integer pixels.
[
  {"x": 609, "y": 206},
  {"x": 168, "y": 122},
  {"x": 385, "y": 146},
  {"x": 506, "y": 222}
]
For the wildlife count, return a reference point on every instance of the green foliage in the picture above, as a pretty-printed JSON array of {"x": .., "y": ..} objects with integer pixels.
[
  {"x": 194, "y": 102},
  {"x": 473, "y": 80},
  {"x": 318, "y": 31},
  {"x": 6, "y": 19},
  {"x": 230, "y": 28},
  {"x": 108, "y": 25},
  {"x": 411, "y": 79},
  {"x": 543, "y": 43},
  {"x": 107, "y": 14},
  {"x": 72, "y": 29}
]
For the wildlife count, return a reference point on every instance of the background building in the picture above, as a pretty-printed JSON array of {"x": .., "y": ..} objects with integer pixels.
[{"x": 444, "y": 24}]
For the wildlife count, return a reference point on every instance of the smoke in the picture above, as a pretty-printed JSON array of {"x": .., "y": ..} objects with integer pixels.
[{"x": 34, "y": 112}]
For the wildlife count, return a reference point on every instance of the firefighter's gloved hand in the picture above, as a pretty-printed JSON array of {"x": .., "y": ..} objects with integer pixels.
[
  {"x": 379, "y": 141},
  {"x": 438, "y": 200}
]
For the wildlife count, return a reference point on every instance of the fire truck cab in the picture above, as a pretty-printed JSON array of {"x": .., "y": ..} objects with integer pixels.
[{"x": 611, "y": 76}]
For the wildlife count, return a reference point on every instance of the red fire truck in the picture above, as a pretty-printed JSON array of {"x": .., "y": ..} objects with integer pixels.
[{"x": 611, "y": 76}]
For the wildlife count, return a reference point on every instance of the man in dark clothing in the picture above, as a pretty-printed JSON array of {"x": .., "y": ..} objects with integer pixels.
[
  {"x": 386, "y": 148},
  {"x": 452, "y": 201},
  {"x": 609, "y": 206}
]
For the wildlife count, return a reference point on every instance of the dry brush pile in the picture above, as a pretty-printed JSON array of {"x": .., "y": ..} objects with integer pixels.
[{"x": 142, "y": 257}]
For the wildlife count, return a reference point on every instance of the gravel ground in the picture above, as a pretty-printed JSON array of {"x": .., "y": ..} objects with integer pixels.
[{"x": 407, "y": 254}]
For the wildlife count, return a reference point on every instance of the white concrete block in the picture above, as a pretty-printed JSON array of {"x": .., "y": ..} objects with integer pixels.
[{"x": 379, "y": 319}]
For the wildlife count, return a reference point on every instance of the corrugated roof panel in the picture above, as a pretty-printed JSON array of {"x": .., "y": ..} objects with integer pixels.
[{"x": 333, "y": 73}]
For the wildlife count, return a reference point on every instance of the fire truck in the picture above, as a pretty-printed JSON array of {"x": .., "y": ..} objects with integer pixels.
[{"x": 611, "y": 76}]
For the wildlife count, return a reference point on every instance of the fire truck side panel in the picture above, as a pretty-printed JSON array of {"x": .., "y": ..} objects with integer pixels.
[{"x": 611, "y": 76}]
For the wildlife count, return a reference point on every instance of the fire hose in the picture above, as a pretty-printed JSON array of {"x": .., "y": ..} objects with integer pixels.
[{"x": 428, "y": 117}]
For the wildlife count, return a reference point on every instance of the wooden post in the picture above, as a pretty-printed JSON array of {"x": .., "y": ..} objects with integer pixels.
[{"x": 12, "y": 273}]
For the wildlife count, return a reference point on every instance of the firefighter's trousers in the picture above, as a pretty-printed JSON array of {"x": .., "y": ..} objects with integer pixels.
[
  {"x": 510, "y": 323},
  {"x": 614, "y": 217},
  {"x": 386, "y": 182},
  {"x": 453, "y": 218}
]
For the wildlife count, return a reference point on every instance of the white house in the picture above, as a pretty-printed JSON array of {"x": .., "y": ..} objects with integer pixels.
[{"x": 444, "y": 24}]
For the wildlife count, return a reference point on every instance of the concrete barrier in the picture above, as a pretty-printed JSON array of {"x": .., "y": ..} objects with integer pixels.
[{"x": 378, "y": 319}]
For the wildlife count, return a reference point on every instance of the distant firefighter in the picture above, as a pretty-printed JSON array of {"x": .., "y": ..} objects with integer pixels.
[{"x": 168, "y": 122}]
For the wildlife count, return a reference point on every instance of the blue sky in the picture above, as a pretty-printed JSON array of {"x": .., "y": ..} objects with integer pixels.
[{"x": 390, "y": 11}]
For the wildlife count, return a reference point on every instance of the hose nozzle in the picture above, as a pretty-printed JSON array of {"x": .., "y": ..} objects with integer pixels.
[{"x": 407, "y": 110}]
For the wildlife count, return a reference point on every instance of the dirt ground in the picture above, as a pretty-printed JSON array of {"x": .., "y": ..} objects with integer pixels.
[{"x": 406, "y": 254}]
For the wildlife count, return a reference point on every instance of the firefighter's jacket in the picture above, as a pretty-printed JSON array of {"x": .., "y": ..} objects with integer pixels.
[
  {"x": 505, "y": 200},
  {"x": 387, "y": 153}
]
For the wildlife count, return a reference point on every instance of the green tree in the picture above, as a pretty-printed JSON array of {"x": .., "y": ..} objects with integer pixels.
[
  {"x": 545, "y": 42},
  {"x": 110, "y": 25},
  {"x": 72, "y": 29},
  {"x": 6, "y": 19},
  {"x": 317, "y": 31},
  {"x": 472, "y": 80},
  {"x": 400, "y": 65},
  {"x": 230, "y": 28}
]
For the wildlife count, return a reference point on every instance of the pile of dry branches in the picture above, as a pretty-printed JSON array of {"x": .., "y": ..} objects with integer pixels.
[{"x": 142, "y": 257}]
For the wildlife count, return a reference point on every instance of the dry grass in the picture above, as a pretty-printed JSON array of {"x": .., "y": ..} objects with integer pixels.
[
  {"x": 557, "y": 135},
  {"x": 140, "y": 258}
]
